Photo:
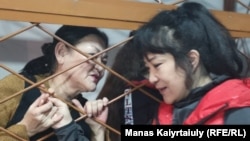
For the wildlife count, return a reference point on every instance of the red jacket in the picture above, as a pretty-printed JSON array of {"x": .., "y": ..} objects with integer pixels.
[{"x": 212, "y": 107}]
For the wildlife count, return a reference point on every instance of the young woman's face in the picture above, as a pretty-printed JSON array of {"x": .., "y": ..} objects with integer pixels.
[
  {"x": 168, "y": 78},
  {"x": 84, "y": 77}
]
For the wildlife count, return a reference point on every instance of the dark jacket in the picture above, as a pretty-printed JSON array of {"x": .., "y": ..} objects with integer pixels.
[
  {"x": 27, "y": 98},
  {"x": 223, "y": 101}
]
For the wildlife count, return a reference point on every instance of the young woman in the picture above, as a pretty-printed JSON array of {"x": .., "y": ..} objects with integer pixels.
[
  {"x": 31, "y": 115},
  {"x": 194, "y": 63}
]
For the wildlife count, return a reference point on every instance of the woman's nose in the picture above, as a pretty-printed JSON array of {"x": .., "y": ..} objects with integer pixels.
[
  {"x": 97, "y": 65},
  {"x": 152, "y": 77}
]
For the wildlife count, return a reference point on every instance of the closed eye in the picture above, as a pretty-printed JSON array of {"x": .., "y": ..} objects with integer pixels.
[
  {"x": 156, "y": 65},
  {"x": 104, "y": 60}
]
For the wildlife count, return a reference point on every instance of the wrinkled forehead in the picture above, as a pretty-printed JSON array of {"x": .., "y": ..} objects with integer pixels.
[
  {"x": 94, "y": 39},
  {"x": 91, "y": 46}
]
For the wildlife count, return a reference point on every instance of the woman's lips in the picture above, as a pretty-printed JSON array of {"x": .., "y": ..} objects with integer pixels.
[{"x": 96, "y": 78}]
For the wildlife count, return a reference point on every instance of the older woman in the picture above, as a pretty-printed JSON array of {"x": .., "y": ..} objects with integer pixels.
[{"x": 32, "y": 115}]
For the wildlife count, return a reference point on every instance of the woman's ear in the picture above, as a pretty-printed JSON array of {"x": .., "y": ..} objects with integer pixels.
[
  {"x": 60, "y": 51},
  {"x": 194, "y": 57}
]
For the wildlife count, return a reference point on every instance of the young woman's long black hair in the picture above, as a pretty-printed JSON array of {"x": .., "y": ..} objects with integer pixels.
[
  {"x": 192, "y": 26},
  {"x": 130, "y": 65}
]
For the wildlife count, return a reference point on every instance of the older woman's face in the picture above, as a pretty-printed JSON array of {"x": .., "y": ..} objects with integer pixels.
[
  {"x": 84, "y": 77},
  {"x": 168, "y": 78}
]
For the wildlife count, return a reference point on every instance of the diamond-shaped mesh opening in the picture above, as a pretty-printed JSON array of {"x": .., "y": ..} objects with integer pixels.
[{"x": 49, "y": 33}]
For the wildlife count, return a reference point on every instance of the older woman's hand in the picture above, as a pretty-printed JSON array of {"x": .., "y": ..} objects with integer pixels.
[
  {"x": 62, "y": 115},
  {"x": 39, "y": 115},
  {"x": 98, "y": 110}
]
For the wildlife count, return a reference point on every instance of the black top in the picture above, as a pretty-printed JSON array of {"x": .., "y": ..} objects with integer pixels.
[{"x": 30, "y": 96}]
